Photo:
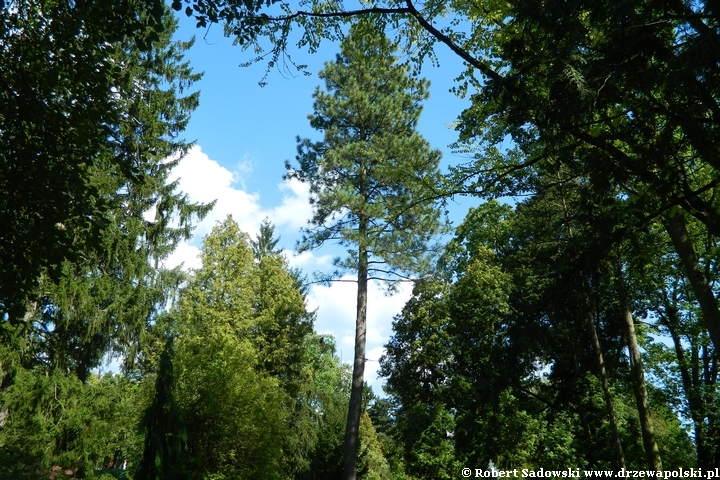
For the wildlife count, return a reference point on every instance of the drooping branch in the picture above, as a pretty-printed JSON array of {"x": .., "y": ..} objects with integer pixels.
[
  {"x": 408, "y": 10},
  {"x": 345, "y": 14},
  {"x": 459, "y": 51}
]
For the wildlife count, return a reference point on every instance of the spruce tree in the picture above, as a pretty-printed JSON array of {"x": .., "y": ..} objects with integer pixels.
[
  {"x": 62, "y": 111},
  {"x": 372, "y": 180},
  {"x": 265, "y": 242},
  {"x": 106, "y": 300}
]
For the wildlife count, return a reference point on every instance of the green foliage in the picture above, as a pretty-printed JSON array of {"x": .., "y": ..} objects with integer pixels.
[
  {"x": 429, "y": 447},
  {"x": 104, "y": 300},
  {"x": 162, "y": 424},
  {"x": 102, "y": 295},
  {"x": 373, "y": 179},
  {"x": 232, "y": 409},
  {"x": 318, "y": 420},
  {"x": 485, "y": 227},
  {"x": 501, "y": 346},
  {"x": 381, "y": 412},
  {"x": 600, "y": 114},
  {"x": 259, "y": 301},
  {"x": 259, "y": 393},
  {"x": 57, "y": 420},
  {"x": 265, "y": 242},
  {"x": 63, "y": 121},
  {"x": 417, "y": 358},
  {"x": 671, "y": 303},
  {"x": 233, "y": 414},
  {"x": 372, "y": 464}
]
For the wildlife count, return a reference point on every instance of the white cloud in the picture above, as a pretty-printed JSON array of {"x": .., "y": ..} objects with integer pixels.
[
  {"x": 295, "y": 209},
  {"x": 205, "y": 180},
  {"x": 308, "y": 261},
  {"x": 336, "y": 310},
  {"x": 243, "y": 169},
  {"x": 149, "y": 214},
  {"x": 186, "y": 255}
]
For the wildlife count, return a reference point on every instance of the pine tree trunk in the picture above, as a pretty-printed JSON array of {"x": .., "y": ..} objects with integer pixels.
[
  {"x": 652, "y": 452},
  {"x": 619, "y": 455},
  {"x": 352, "y": 427},
  {"x": 677, "y": 229}
]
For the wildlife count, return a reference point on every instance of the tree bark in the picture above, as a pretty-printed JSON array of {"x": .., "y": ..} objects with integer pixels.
[
  {"x": 619, "y": 455},
  {"x": 677, "y": 230},
  {"x": 652, "y": 452},
  {"x": 695, "y": 400},
  {"x": 352, "y": 427}
]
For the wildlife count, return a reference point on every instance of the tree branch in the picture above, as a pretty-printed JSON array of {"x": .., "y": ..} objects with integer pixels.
[
  {"x": 409, "y": 10},
  {"x": 462, "y": 53},
  {"x": 346, "y": 14}
]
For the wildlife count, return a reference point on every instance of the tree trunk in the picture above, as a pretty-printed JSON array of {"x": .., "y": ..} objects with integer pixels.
[
  {"x": 677, "y": 229},
  {"x": 652, "y": 452},
  {"x": 352, "y": 427},
  {"x": 619, "y": 455},
  {"x": 695, "y": 400}
]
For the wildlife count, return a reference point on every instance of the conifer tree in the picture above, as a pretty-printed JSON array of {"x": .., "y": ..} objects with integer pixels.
[
  {"x": 265, "y": 242},
  {"x": 164, "y": 437},
  {"x": 63, "y": 110},
  {"x": 105, "y": 299},
  {"x": 372, "y": 180}
]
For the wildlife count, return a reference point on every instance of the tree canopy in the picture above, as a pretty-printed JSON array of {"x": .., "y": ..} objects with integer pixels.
[
  {"x": 101, "y": 301},
  {"x": 71, "y": 108},
  {"x": 572, "y": 320}
]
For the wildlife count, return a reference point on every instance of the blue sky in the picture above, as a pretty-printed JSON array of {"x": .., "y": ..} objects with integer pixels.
[{"x": 244, "y": 134}]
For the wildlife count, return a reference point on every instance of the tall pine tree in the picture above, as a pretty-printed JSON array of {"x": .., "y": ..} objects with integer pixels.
[{"x": 372, "y": 180}]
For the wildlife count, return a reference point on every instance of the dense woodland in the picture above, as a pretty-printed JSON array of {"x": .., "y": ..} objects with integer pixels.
[{"x": 570, "y": 321}]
